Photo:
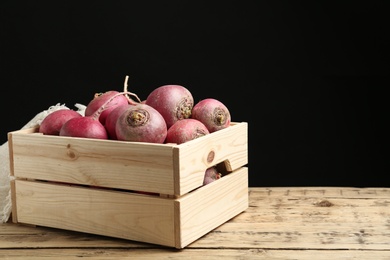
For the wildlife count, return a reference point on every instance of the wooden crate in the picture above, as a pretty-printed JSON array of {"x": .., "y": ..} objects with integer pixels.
[{"x": 145, "y": 192}]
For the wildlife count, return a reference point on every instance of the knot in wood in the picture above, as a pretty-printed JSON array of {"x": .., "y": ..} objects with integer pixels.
[
  {"x": 210, "y": 156},
  {"x": 324, "y": 203},
  {"x": 70, "y": 153}
]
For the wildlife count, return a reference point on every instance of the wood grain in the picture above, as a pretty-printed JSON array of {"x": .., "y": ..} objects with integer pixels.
[
  {"x": 280, "y": 223},
  {"x": 161, "y": 168}
]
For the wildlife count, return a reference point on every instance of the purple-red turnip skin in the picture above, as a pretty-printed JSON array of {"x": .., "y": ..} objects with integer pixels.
[
  {"x": 186, "y": 130},
  {"x": 85, "y": 126},
  {"x": 211, "y": 175},
  {"x": 141, "y": 123},
  {"x": 112, "y": 117},
  {"x": 52, "y": 123},
  {"x": 212, "y": 113},
  {"x": 174, "y": 102},
  {"x": 100, "y": 99}
]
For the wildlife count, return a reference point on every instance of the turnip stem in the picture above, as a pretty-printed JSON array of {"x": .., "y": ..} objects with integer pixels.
[
  {"x": 131, "y": 101},
  {"x": 97, "y": 113}
]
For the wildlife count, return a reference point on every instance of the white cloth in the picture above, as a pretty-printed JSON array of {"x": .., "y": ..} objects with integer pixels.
[{"x": 5, "y": 178}]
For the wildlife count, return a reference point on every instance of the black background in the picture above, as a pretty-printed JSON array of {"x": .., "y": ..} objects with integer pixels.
[{"x": 309, "y": 77}]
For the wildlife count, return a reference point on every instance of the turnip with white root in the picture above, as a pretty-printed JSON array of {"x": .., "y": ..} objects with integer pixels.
[
  {"x": 88, "y": 126},
  {"x": 174, "y": 102},
  {"x": 212, "y": 113}
]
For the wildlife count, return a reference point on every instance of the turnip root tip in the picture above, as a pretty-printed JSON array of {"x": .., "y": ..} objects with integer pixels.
[
  {"x": 212, "y": 113},
  {"x": 141, "y": 123},
  {"x": 186, "y": 130}
]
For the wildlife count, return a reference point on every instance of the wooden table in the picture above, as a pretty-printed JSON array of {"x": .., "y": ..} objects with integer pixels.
[{"x": 280, "y": 223}]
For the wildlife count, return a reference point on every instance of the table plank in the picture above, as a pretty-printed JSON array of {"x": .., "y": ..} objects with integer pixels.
[
  {"x": 201, "y": 254},
  {"x": 280, "y": 223}
]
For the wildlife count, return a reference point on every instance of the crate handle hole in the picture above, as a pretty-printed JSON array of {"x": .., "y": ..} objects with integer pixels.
[{"x": 224, "y": 167}]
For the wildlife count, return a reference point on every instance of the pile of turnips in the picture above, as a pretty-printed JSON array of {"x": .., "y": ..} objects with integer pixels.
[{"x": 167, "y": 115}]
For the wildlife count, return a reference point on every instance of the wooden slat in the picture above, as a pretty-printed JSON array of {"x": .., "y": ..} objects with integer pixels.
[
  {"x": 212, "y": 205},
  {"x": 104, "y": 163},
  {"x": 96, "y": 211},
  {"x": 152, "y": 219},
  {"x": 229, "y": 144}
]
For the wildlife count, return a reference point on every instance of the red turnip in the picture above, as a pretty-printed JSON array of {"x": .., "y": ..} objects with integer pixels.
[
  {"x": 52, "y": 123},
  {"x": 186, "y": 130},
  {"x": 112, "y": 117},
  {"x": 101, "y": 98},
  {"x": 174, "y": 102},
  {"x": 211, "y": 175},
  {"x": 212, "y": 113},
  {"x": 88, "y": 126},
  {"x": 141, "y": 123}
]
